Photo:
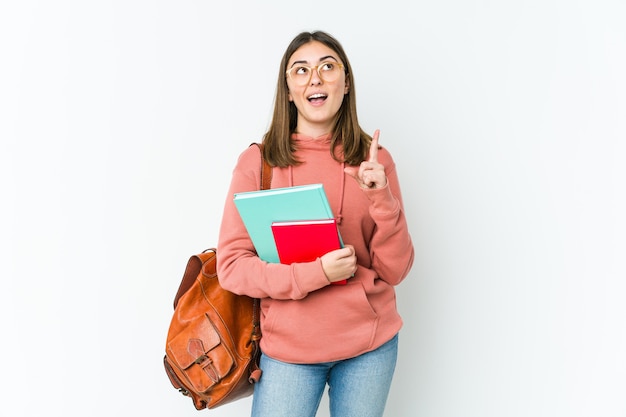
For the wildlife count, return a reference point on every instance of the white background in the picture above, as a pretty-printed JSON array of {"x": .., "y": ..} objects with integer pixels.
[{"x": 120, "y": 122}]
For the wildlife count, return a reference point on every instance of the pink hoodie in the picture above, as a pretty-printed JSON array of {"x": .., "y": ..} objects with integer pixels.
[{"x": 304, "y": 319}]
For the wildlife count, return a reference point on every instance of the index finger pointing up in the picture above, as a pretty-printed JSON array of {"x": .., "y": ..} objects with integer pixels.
[{"x": 374, "y": 147}]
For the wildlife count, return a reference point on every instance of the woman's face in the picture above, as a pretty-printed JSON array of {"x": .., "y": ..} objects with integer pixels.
[{"x": 317, "y": 99}]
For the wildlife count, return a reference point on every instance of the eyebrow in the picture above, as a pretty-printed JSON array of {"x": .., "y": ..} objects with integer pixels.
[{"x": 322, "y": 59}]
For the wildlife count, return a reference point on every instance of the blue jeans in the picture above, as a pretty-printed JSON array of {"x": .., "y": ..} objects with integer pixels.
[{"x": 358, "y": 387}]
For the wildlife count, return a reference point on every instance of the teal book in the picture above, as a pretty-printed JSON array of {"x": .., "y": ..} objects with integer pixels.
[{"x": 259, "y": 209}]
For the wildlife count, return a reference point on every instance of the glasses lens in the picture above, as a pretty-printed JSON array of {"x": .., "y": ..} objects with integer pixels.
[
  {"x": 327, "y": 71},
  {"x": 300, "y": 74}
]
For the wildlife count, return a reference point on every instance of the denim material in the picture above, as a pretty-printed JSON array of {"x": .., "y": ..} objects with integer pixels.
[{"x": 358, "y": 387}]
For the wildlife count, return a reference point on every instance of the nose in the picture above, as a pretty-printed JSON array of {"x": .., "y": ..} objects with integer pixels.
[{"x": 315, "y": 77}]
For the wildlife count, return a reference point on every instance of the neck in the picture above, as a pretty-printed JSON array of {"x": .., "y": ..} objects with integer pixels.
[{"x": 313, "y": 130}]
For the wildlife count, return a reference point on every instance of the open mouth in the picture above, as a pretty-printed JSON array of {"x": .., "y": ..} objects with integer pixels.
[{"x": 317, "y": 98}]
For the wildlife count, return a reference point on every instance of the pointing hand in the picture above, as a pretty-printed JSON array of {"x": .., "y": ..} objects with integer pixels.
[{"x": 370, "y": 174}]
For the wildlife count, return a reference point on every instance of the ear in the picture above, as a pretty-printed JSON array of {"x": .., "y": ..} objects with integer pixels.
[
  {"x": 289, "y": 96},
  {"x": 346, "y": 89}
]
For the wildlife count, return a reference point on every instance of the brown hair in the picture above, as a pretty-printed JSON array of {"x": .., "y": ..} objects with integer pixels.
[{"x": 278, "y": 148}]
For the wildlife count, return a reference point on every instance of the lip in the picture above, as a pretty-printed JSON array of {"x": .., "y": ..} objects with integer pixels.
[{"x": 317, "y": 98}]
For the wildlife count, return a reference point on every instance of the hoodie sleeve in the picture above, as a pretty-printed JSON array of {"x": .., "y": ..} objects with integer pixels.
[
  {"x": 391, "y": 248},
  {"x": 239, "y": 268}
]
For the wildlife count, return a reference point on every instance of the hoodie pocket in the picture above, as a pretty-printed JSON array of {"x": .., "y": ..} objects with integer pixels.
[{"x": 335, "y": 323}]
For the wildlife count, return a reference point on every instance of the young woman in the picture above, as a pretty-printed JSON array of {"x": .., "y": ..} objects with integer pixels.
[{"x": 315, "y": 333}]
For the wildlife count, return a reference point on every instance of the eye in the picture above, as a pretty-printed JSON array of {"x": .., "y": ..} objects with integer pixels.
[
  {"x": 302, "y": 70},
  {"x": 327, "y": 66}
]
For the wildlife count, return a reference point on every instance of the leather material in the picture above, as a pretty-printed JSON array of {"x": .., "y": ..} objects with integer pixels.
[
  {"x": 212, "y": 352},
  {"x": 212, "y": 346}
]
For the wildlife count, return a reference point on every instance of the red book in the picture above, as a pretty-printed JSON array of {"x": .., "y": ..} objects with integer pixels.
[{"x": 306, "y": 240}]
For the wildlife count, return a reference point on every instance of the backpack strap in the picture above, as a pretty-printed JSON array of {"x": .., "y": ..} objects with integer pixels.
[
  {"x": 255, "y": 370},
  {"x": 266, "y": 170}
]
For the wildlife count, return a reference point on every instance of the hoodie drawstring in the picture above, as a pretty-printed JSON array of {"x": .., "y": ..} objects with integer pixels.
[{"x": 339, "y": 216}]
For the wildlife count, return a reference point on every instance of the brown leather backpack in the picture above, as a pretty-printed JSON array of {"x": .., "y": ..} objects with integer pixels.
[{"x": 212, "y": 348}]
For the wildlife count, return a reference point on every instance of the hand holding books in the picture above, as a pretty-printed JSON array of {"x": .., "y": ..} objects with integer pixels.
[
  {"x": 339, "y": 265},
  {"x": 296, "y": 224},
  {"x": 307, "y": 240}
]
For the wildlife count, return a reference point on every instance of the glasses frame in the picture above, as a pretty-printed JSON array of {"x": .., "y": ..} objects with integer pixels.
[{"x": 316, "y": 68}]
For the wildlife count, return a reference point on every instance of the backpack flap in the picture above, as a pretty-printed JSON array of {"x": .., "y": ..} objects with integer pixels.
[{"x": 200, "y": 354}]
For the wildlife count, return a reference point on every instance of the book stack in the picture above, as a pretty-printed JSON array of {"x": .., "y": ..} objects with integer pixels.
[{"x": 290, "y": 224}]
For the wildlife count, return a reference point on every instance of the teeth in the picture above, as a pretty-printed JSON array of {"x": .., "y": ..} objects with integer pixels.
[{"x": 317, "y": 96}]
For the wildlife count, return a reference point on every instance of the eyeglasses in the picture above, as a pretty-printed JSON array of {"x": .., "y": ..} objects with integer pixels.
[{"x": 328, "y": 71}]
